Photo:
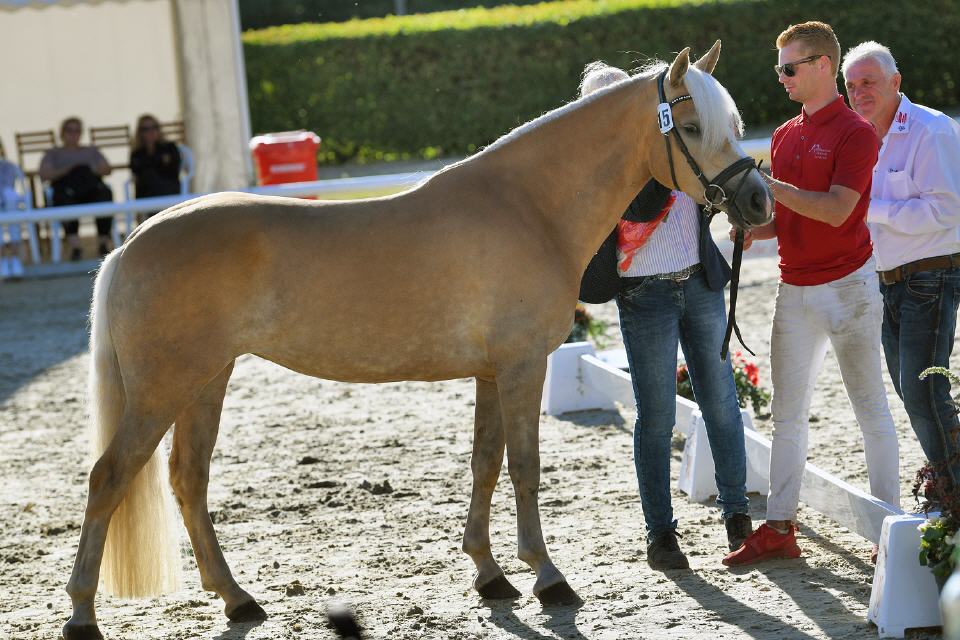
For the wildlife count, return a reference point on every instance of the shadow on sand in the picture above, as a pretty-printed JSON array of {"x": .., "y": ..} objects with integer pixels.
[
  {"x": 42, "y": 323},
  {"x": 560, "y": 620}
]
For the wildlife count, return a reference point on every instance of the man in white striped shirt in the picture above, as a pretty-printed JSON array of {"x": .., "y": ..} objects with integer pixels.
[
  {"x": 914, "y": 221},
  {"x": 672, "y": 279}
]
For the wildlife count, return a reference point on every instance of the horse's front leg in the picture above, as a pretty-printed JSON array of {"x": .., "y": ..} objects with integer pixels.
[
  {"x": 520, "y": 386},
  {"x": 485, "y": 463}
]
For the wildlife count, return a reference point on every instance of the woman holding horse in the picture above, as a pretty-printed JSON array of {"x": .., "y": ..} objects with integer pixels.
[{"x": 672, "y": 278}]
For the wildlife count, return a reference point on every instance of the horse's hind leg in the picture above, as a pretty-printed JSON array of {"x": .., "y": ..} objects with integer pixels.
[
  {"x": 486, "y": 461},
  {"x": 135, "y": 441},
  {"x": 520, "y": 385},
  {"x": 194, "y": 437}
]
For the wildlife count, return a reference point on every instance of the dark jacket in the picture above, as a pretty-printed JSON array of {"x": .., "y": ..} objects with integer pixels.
[
  {"x": 601, "y": 280},
  {"x": 157, "y": 173},
  {"x": 715, "y": 266}
]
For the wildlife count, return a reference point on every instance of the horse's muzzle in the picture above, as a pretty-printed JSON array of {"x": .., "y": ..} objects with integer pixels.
[{"x": 753, "y": 204}]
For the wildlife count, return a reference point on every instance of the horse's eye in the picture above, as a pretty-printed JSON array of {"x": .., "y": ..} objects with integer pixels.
[{"x": 692, "y": 129}]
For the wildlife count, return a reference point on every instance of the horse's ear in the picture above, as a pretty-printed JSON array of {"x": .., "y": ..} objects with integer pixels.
[
  {"x": 709, "y": 59},
  {"x": 679, "y": 67}
]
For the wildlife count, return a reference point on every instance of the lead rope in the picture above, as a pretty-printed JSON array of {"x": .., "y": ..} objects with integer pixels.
[
  {"x": 734, "y": 283},
  {"x": 725, "y": 175}
]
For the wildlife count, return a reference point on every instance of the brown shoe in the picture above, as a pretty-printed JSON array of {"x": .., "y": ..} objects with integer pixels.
[
  {"x": 663, "y": 553},
  {"x": 739, "y": 527}
]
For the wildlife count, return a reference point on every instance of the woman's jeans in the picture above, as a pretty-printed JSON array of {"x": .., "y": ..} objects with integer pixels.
[
  {"x": 845, "y": 313},
  {"x": 656, "y": 315},
  {"x": 919, "y": 320}
]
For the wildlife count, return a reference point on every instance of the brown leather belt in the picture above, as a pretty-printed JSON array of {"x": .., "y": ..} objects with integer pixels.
[{"x": 924, "y": 264}]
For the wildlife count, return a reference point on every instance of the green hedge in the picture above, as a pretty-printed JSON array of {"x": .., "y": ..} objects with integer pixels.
[
  {"x": 257, "y": 14},
  {"x": 449, "y": 83}
]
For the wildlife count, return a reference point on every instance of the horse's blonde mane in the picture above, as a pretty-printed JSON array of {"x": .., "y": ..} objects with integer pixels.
[
  {"x": 559, "y": 112},
  {"x": 715, "y": 107}
]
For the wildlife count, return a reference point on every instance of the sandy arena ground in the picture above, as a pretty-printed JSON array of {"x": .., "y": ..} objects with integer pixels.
[{"x": 292, "y": 499}]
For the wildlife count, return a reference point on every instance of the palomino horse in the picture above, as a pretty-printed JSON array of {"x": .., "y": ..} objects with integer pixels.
[{"x": 472, "y": 273}]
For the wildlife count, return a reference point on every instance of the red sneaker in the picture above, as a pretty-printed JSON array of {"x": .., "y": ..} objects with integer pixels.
[{"x": 765, "y": 544}]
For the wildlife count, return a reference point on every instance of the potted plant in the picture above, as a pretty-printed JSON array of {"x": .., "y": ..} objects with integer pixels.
[
  {"x": 585, "y": 326},
  {"x": 939, "y": 498}
]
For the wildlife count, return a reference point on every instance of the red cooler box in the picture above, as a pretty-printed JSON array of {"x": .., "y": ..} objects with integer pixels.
[{"x": 289, "y": 156}]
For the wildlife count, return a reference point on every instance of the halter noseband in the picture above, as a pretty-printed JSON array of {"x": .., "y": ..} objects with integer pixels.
[{"x": 713, "y": 193}]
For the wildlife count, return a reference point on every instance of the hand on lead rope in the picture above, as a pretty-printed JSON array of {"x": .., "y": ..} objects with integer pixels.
[{"x": 747, "y": 237}]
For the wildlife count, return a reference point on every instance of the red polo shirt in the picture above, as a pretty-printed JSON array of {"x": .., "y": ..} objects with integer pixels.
[{"x": 833, "y": 146}]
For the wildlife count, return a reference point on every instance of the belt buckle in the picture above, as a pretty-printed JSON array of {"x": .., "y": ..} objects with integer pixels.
[{"x": 685, "y": 273}]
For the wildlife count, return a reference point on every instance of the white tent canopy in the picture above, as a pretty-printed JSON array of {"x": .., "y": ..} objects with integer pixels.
[{"x": 108, "y": 61}]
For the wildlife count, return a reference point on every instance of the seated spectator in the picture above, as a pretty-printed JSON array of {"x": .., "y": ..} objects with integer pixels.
[
  {"x": 11, "y": 251},
  {"x": 75, "y": 172},
  {"x": 154, "y": 162}
]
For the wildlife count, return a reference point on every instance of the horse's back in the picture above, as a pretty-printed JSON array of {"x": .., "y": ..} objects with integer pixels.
[{"x": 414, "y": 286}]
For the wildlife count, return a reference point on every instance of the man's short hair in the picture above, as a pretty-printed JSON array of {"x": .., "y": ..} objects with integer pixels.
[
  {"x": 816, "y": 37},
  {"x": 870, "y": 50}
]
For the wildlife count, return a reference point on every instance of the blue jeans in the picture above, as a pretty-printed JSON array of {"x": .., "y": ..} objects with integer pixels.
[
  {"x": 656, "y": 315},
  {"x": 919, "y": 320}
]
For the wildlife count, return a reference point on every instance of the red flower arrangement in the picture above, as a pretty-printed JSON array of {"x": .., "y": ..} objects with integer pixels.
[
  {"x": 746, "y": 376},
  {"x": 586, "y": 326}
]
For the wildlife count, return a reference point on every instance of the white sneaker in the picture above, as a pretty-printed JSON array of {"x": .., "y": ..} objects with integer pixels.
[
  {"x": 5, "y": 271},
  {"x": 16, "y": 268}
]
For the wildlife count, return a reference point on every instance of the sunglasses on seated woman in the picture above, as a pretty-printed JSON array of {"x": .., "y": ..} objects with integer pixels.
[{"x": 789, "y": 69}]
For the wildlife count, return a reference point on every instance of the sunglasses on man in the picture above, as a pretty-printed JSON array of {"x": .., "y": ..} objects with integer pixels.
[{"x": 789, "y": 69}]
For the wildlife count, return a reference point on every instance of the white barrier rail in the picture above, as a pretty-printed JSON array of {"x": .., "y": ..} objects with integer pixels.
[{"x": 158, "y": 203}]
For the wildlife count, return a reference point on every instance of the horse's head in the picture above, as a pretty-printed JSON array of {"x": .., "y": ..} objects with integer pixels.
[{"x": 700, "y": 155}]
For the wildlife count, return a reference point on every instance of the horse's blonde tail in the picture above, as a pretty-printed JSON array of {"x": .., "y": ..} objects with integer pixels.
[{"x": 141, "y": 557}]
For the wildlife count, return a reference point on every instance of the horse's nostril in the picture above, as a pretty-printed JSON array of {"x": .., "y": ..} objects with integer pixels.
[{"x": 757, "y": 204}]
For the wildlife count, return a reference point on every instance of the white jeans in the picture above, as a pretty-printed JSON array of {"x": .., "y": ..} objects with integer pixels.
[{"x": 847, "y": 313}]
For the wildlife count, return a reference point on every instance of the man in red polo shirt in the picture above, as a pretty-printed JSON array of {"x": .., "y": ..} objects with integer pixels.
[{"x": 822, "y": 163}]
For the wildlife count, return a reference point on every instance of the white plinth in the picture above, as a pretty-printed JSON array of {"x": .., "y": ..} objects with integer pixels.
[
  {"x": 564, "y": 388},
  {"x": 904, "y": 594},
  {"x": 697, "y": 471}
]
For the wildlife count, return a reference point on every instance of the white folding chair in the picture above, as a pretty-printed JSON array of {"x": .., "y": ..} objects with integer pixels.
[
  {"x": 186, "y": 167},
  {"x": 25, "y": 203},
  {"x": 56, "y": 250}
]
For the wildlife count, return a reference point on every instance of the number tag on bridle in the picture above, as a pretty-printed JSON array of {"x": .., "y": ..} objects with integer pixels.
[{"x": 665, "y": 117}]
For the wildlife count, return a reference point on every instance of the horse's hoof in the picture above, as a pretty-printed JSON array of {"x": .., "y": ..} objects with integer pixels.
[
  {"x": 81, "y": 632},
  {"x": 498, "y": 589},
  {"x": 249, "y": 611},
  {"x": 559, "y": 594}
]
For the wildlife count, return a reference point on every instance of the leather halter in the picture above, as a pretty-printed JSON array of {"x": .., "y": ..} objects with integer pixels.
[
  {"x": 715, "y": 196},
  {"x": 713, "y": 191}
]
